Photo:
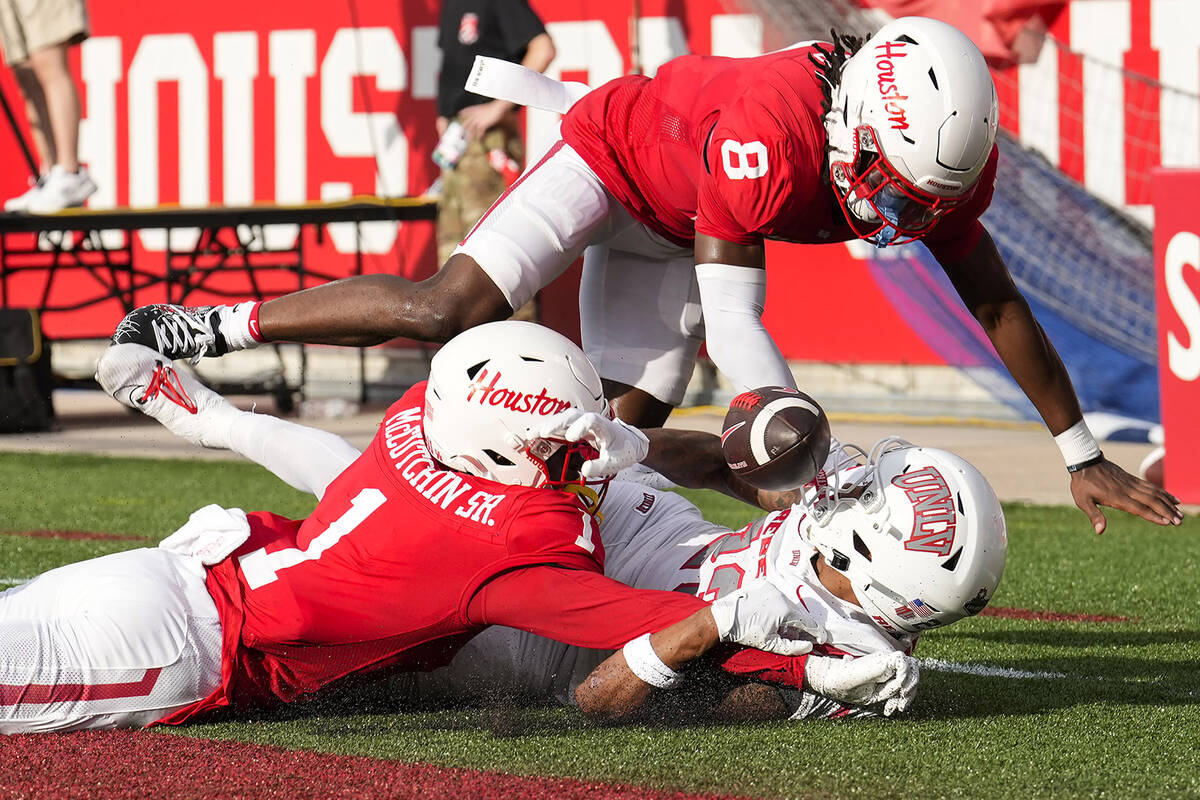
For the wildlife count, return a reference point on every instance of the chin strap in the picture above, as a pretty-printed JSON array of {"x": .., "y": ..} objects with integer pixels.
[{"x": 589, "y": 497}]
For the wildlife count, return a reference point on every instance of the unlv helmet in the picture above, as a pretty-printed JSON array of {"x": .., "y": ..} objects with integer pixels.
[
  {"x": 919, "y": 533},
  {"x": 911, "y": 124},
  {"x": 490, "y": 383}
]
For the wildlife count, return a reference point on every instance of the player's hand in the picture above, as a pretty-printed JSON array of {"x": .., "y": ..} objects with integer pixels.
[
  {"x": 759, "y": 616},
  {"x": 888, "y": 678},
  {"x": 1106, "y": 484},
  {"x": 619, "y": 444},
  {"x": 478, "y": 119}
]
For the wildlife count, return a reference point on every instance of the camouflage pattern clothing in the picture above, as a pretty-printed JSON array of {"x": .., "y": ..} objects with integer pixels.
[{"x": 470, "y": 188}]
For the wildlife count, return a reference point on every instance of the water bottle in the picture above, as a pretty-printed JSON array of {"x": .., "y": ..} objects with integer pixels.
[{"x": 451, "y": 146}]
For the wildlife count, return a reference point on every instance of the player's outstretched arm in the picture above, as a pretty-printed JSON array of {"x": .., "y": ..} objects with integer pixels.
[
  {"x": 755, "y": 616},
  {"x": 587, "y": 609},
  {"x": 987, "y": 289},
  {"x": 694, "y": 460}
]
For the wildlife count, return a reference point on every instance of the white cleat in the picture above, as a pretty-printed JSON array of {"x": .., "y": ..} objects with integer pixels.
[{"x": 143, "y": 379}]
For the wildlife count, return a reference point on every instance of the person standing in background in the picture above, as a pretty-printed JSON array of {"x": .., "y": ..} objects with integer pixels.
[
  {"x": 36, "y": 36},
  {"x": 481, "y": 152}
]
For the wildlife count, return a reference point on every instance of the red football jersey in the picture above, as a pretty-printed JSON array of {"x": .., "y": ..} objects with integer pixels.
[
  {"x": 401, "y": 563},
  {"x": 733, "y": 148}
]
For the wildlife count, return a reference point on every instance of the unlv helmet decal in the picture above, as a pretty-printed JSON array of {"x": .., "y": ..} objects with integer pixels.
[{"x": 933, "y": 511}]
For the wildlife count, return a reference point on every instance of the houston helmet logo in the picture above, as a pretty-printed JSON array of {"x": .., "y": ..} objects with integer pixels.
[
  {"x": 489, "y": 393},
  {"x": 885, "y": 81},
  {"x": 933, "y": 511}
]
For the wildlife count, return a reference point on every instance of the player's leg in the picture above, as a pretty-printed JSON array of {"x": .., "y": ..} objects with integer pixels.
[
  {"x": 305, "y": 458},
  {"x": 642, "y": 327},
  {"x": 118, "y": 641},
  {"x": 524, "y": 241}
]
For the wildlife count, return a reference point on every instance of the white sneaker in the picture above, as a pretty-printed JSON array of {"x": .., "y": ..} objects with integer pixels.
[
  {"x": 143, "y": 379},
  {"x": 21, "y": 202},
  {"x": 61, "y": 189}
]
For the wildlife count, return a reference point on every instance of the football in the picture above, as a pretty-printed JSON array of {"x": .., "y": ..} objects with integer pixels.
[{"x": 775, "y": 438}]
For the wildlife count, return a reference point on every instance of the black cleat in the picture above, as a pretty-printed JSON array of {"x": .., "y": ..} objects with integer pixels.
[{"x": 174, "y": 331}]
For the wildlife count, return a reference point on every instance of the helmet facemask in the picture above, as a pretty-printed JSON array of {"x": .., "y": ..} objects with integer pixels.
[
  {"x": 910, "y": 125},
  {"x": 917, "y": 532},
  {"x": 561, "y": 462},
  {"x": 880, "y": 205}
]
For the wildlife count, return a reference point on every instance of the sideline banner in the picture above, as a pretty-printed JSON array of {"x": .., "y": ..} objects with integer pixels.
[
  {"x": 230, "y": 103},
  {"x": 1177, "y": 290}
]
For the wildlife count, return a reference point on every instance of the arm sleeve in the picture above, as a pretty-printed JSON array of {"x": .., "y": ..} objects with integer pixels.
[
  {"x": 738, "y": 343},
  {"x": 577, "y": 607}
]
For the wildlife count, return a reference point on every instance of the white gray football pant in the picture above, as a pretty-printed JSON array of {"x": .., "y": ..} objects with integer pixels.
[
  {"x": 123, "y": 640},
  {"x": 118, "y": 641}
]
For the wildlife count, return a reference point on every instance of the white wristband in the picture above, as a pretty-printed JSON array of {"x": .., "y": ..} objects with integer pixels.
[
  {"x": 645, "y": 663},
  {"x": 1077, "y": 444}
]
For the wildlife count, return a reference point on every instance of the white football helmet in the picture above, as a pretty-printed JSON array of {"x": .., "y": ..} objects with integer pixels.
[
  {"x": 490, "y": 383},
  {"x": 918, "y": 532},
  {"x": 911, "y": 124}
]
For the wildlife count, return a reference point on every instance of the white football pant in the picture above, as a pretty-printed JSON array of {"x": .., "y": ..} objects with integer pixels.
[
  {"x": 639, "y": 304},
  {"x": 116, "y": 642}
]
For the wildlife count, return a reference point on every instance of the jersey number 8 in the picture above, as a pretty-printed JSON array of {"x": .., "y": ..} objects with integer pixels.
[{"x": 743, "y": 160}]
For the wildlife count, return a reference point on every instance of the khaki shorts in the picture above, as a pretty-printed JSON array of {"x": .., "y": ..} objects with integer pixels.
[{"x": 27, "y": 26}]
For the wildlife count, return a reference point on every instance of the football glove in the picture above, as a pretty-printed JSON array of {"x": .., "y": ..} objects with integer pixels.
[
  {"x": 759, "y": 616},
  {"x": 888, "y": 678},
  {"x": 619, "y": 444}
]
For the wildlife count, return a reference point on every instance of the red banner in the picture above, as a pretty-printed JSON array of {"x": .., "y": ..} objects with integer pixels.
[
  {"x": 1177, "y": 289},
  {"x": 229, "y": 103}
]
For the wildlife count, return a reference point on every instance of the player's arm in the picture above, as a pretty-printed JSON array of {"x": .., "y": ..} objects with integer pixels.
[
  {"x": 693, "y": 459},
  {"x": 657, "y": 633},
  {"x": 733, "y": 291},
  {"x": 986, "y": 287}
]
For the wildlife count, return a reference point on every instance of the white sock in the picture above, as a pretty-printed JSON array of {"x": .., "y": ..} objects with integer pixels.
[
  {"x": 239, "y": 325},
  {"x": 305, "y": 458}
]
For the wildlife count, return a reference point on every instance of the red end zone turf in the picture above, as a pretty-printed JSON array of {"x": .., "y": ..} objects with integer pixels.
[{"x": 137, "y": 764}]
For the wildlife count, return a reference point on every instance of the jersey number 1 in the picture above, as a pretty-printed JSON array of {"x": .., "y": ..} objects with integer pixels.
[
  {"x": 743, "y": 160},
  {"x": 260, "y": 567}
]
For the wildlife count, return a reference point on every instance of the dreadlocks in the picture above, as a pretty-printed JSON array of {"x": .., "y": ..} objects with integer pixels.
[{"x": 829, "y": 68}]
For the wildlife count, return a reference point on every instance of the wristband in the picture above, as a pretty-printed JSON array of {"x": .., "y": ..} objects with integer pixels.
[
  {"x": 1078, "y": 446},
  {"x": 1091, "y": 462},
  {"x": 645, "y": 663}
]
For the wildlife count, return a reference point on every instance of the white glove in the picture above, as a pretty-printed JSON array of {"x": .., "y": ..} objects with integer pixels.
[
  {"x": 889, "y": 678},
  {"x": 908, "y": 690},
  {"x": 620, "y": 445},
  {"x": 759, "y": 616}
]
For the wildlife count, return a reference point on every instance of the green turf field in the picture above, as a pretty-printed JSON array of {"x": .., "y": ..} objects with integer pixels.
[{"x": 1085, "y": 709}]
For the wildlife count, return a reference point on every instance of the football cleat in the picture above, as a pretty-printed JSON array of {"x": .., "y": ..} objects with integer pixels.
[
  {"x": 145, "y": 380},
  {"x": 174, "y": 331},
  {"x": 811, "y": 705}
]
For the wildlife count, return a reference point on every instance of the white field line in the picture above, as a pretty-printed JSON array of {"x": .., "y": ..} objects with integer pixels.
[
  {"x": 982, "y": 670},
  {"x": 12, "y": 581}
]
